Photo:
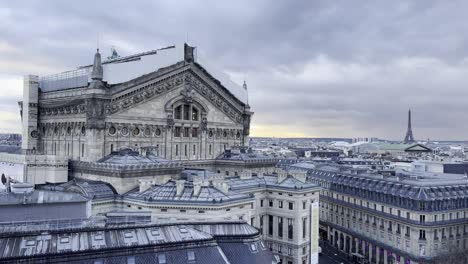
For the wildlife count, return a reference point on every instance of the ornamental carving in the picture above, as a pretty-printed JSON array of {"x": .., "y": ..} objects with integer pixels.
[
  {"x": 143, "y": 94},
  {"x": 188, "y": 92},
  {"x": 63, "y": 110},
  {"x": 204, "y": 124},
  {"x": 170, "y": 121},
  {"x": 214, "y": 97},
  {"x": 191, "y": 83}
]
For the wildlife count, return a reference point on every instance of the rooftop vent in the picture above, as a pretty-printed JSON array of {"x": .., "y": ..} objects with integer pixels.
[{"x": 22, "y": 188}]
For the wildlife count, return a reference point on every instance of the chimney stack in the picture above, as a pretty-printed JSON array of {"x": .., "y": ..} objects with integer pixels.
[
  {"x": 180, "y": 184},
  {"x": 197, "y": 187}
]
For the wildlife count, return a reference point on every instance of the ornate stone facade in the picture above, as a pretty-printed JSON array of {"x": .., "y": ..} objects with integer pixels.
[{"x": 181, "y": 109}]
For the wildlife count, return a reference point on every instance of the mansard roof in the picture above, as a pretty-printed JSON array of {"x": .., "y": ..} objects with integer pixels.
[
  {"x": 288, "y": 183},
  {"x": 168, "y": 193},
  {"x": 127, "y": 156},
  {"x": 127, "y": 159},
  {"x": 414, "y": 185}
]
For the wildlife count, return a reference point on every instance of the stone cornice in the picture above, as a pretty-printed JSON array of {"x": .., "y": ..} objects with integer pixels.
[{"x": 124, "y": 171}]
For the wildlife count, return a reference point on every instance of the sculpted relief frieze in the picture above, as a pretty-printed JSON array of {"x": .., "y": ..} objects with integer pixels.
[
  {"x": 145, "y": 93},
  {"x": 134, "y": 130},
  {"x": 190, "y": 82},
  {"x": 63, "y": 110}
]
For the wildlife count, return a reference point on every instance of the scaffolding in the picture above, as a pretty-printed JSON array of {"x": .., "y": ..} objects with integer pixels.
[{"x": 65, "y": 80}]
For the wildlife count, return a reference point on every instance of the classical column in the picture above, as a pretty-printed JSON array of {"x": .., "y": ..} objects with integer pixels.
[{"x": 377, "y": 254}]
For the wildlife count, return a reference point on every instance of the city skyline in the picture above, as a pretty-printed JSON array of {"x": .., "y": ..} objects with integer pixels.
[{"x": 342, "y": 80}]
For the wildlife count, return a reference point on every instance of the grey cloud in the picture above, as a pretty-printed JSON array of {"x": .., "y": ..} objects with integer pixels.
[{"x": 272, "y": 43}]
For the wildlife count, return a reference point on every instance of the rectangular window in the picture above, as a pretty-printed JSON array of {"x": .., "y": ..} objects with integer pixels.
[
  {"x": 177, "y": 132},
  {"x": 280, "y": 226},
  {"x": 422, "y": 234},
  {"x": 261, "y": 203},
  {"x": 194, "y": 150},
  {"x": 304, "y": 205},
  {"x": 177, "y": 150},
  {"x": 186, "y": 131},
  {"x": 209, "y": 149},
  {"x": 290, "y": 228},
  {"x": 261, "y": 224},
  {"x": 280, "y": 204},
  {"x": 270, "y": 225},
  {"x": 304, "y": 227},
  {"x": 270, "y": 203},
  {"x": 185, "y": 149},
  {"x": 291, "y": 205},
  {"x": 422, "y": 219},
  {"x": 194, "y": 132}
]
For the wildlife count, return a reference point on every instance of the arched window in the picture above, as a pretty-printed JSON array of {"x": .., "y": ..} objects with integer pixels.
[
  {"x": 187, "y": 112},
  {"x": 194, "y": 114},
  {"x": 178, "y": 112}
]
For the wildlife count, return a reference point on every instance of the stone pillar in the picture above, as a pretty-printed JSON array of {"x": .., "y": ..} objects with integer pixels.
[
  {"x": 168, "y": 143},
  {"x": 30, "y": 112},
  {"x": 377, "y": 254},
  {"x": 356, "y": 242}
]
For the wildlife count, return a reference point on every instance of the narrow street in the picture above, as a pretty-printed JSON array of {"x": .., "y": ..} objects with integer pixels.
[{"x": 331, "y": 255}]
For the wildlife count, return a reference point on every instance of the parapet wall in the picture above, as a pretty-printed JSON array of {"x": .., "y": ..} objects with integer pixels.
[{"x": 39, "y": 169}]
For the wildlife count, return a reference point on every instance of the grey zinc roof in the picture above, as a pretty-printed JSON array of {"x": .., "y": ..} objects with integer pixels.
[
  {"x": 175, "y": 241},
  {"x": 91, "y": 189},
  {"x": 236, "y": 252},
  {"x": 130, "y": 157},
  {"x": 414, "y": 185},
  {"x": 246, "y": 156},
  {"x": 205, "y": 254},
  {"x": 36, "y": 244},
  {"x": 236, "y": 183},
  {"x": 168, "y": 193},
  {"x": 39, "y": 197}
]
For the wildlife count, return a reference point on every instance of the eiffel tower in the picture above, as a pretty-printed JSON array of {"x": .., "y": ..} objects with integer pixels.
[{"x": 409, "y": 133}]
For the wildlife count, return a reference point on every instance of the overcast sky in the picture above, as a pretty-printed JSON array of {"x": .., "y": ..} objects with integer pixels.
[{"x": 313, "y": 68}]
